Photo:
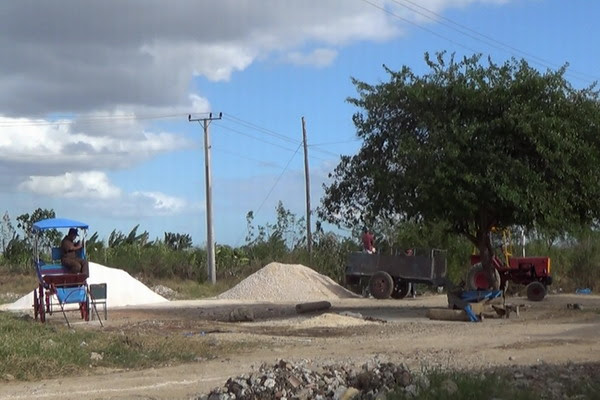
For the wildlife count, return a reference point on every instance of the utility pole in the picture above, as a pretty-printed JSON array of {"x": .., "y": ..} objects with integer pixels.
[
  {"x": 307, "y": 177},
  {"x": 210, "y": 233}
]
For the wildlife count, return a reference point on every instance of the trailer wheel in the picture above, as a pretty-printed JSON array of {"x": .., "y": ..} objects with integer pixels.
[
  {"x": 536, "y": 291},
  {"x": 477, "y": 278},
  {"x": 401, "y": 289},
  {"x": 381, "y": 285}
]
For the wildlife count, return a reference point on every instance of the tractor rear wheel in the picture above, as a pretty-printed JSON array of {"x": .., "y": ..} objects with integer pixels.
[
  {"x": 381, "y": 285},
  {"x": 477, "y": 278},
  {"x": 401, "y": 289},
  {"x": 536, "y": 291}
]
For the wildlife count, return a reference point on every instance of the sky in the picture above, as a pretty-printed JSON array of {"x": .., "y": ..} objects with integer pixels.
[{"x": 95, "y": 96}]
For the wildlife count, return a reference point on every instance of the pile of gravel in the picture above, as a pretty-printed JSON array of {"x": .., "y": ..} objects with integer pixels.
[
  {"x": 286, "y": 282},
  {"x": 285, "y": 380}
]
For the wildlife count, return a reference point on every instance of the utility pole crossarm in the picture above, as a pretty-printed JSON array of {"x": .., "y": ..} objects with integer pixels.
[{"x": 210, "y": 241}]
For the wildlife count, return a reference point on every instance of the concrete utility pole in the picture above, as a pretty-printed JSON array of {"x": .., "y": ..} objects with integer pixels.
[
  {"x": 210, "y": 241},
  {"x": 307, "y": 177}
]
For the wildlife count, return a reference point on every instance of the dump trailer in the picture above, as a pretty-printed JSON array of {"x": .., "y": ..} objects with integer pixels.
[{"x": 385, "y": 275}]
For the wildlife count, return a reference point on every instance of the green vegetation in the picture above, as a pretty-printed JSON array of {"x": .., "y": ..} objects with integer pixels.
[
  {"x": 31, "y": 350},
  {"x": 472, "y": 146},
  {"x": 466, "y": 386},
  {"x": 175, "y": 263}
]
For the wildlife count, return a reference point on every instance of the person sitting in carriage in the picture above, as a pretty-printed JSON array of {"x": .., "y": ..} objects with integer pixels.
[{"x": 69, "y": 258}]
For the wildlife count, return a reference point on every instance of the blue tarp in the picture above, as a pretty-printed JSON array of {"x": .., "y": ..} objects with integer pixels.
[{"x": 54, "y": 223}]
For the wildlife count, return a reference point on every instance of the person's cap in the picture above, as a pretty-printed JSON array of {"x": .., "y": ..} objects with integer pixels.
[{"x": 73, "y": 231}]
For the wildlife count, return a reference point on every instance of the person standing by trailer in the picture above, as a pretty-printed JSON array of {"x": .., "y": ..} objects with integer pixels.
[
  {"x": 368, "y": 240},
  {"x": 413, "y": 286}
]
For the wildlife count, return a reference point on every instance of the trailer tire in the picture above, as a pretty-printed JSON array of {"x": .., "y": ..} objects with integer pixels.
[
  {"x": 536, "y": 291},
  {"x": 477, "y": 278},
  {"x": 381, "y": 285},
  {"x": 401, "y": 289}
]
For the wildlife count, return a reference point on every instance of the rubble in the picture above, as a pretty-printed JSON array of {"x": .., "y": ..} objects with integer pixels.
[{"x": 286, "y": 380}]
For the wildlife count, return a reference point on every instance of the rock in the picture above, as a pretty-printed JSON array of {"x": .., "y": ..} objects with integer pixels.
[
  {"x": 241, "y": 314},
  {"x": 403, "y": 378},
  {"x": 424, "y": 382},
  {"x": 269, "y": 383},
  {"x": 8, "y": 377},
  {"x": 96, "y": 356},
  {"x": 449, "y": 386},
  {"x": 381, "y": 395},
  {"x": 350, "y": 394},
  {"x": 411, "y": 390},
  {"x": 165, "y": 291}
]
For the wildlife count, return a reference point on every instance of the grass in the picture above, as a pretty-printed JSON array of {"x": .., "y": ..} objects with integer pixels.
[
  {"x": 469, "y": 386},
  {"x": 188, "y": 289},
  {"x": 13, "y": 286},
  {"x": 30, "y": 350}
]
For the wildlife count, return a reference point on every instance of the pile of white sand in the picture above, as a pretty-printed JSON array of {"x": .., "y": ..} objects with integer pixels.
[
  {"x": 287, "y": 282},
  {"x": 331, "y": 320},
  {"x": 121, "y": 290}
]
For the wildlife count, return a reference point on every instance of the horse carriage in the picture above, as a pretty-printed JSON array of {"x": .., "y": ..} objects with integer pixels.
[{"x": 57, "y": 286}]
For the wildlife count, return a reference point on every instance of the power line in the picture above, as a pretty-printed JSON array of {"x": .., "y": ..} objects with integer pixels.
[
  {"x": 276, "y": 182},
  {"x": 266, "y": 141},
  {"x": 259, "y": 128},
  {"x": 453, "y": 24},
  {"x": 330, "y": 143},
  {"x": 451, "y": 40},
  {"x": 418, "y": 26},
  {"x": 253, "y": 137},
  {"x": 279, "y": 178},
  {"x": 259, "y": 162}
]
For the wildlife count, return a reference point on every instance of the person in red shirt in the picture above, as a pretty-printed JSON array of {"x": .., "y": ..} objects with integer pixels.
[{"x": 368, "y": 241}]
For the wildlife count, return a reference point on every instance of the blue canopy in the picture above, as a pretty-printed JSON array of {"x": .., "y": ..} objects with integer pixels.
[{"x": 53, "y": 223}]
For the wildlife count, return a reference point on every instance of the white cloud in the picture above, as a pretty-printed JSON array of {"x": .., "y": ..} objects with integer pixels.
[
  {"x": 144, "y": 53},
  {"x": 76, "y": 185},
  {"x": 46, "y": 148},
  {"x": 316, "y": 58},
  {"x": 160, "y": 203},
  {"x": 141, "y": 204}
]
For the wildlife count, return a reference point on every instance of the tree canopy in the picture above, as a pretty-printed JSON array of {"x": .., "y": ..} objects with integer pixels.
[{"x": 473, "y": 145}]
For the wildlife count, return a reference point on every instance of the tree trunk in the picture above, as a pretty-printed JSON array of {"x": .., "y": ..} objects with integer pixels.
[{"x": 484, "y": 245}]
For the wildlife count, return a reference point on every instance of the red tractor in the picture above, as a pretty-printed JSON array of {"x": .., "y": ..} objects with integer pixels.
[{"x": 531, "y": 271}]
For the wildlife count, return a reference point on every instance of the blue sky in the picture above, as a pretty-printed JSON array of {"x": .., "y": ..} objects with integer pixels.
[{"x": 94, "y": 96}]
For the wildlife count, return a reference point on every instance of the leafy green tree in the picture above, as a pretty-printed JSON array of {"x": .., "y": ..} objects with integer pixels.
[
  {"x": 47, "y": 238},
  {"x": 178, "y": 241},
  {"x": 7, "y": 231},
  {"x": 472, "y": 145}
]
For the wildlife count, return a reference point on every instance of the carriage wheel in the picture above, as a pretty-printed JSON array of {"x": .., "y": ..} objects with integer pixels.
[
  {"x": 35, "y": 305},
  {"x": 42, "y": 310},
  {"x": 85, "y": 310},
  {"x": 48, "y": 308}
]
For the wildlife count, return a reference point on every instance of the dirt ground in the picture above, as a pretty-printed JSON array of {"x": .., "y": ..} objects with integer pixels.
[{"x": 545, "y": 332}]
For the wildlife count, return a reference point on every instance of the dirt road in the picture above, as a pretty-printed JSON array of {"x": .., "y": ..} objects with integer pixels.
[{"x": 547, "y": 332}]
